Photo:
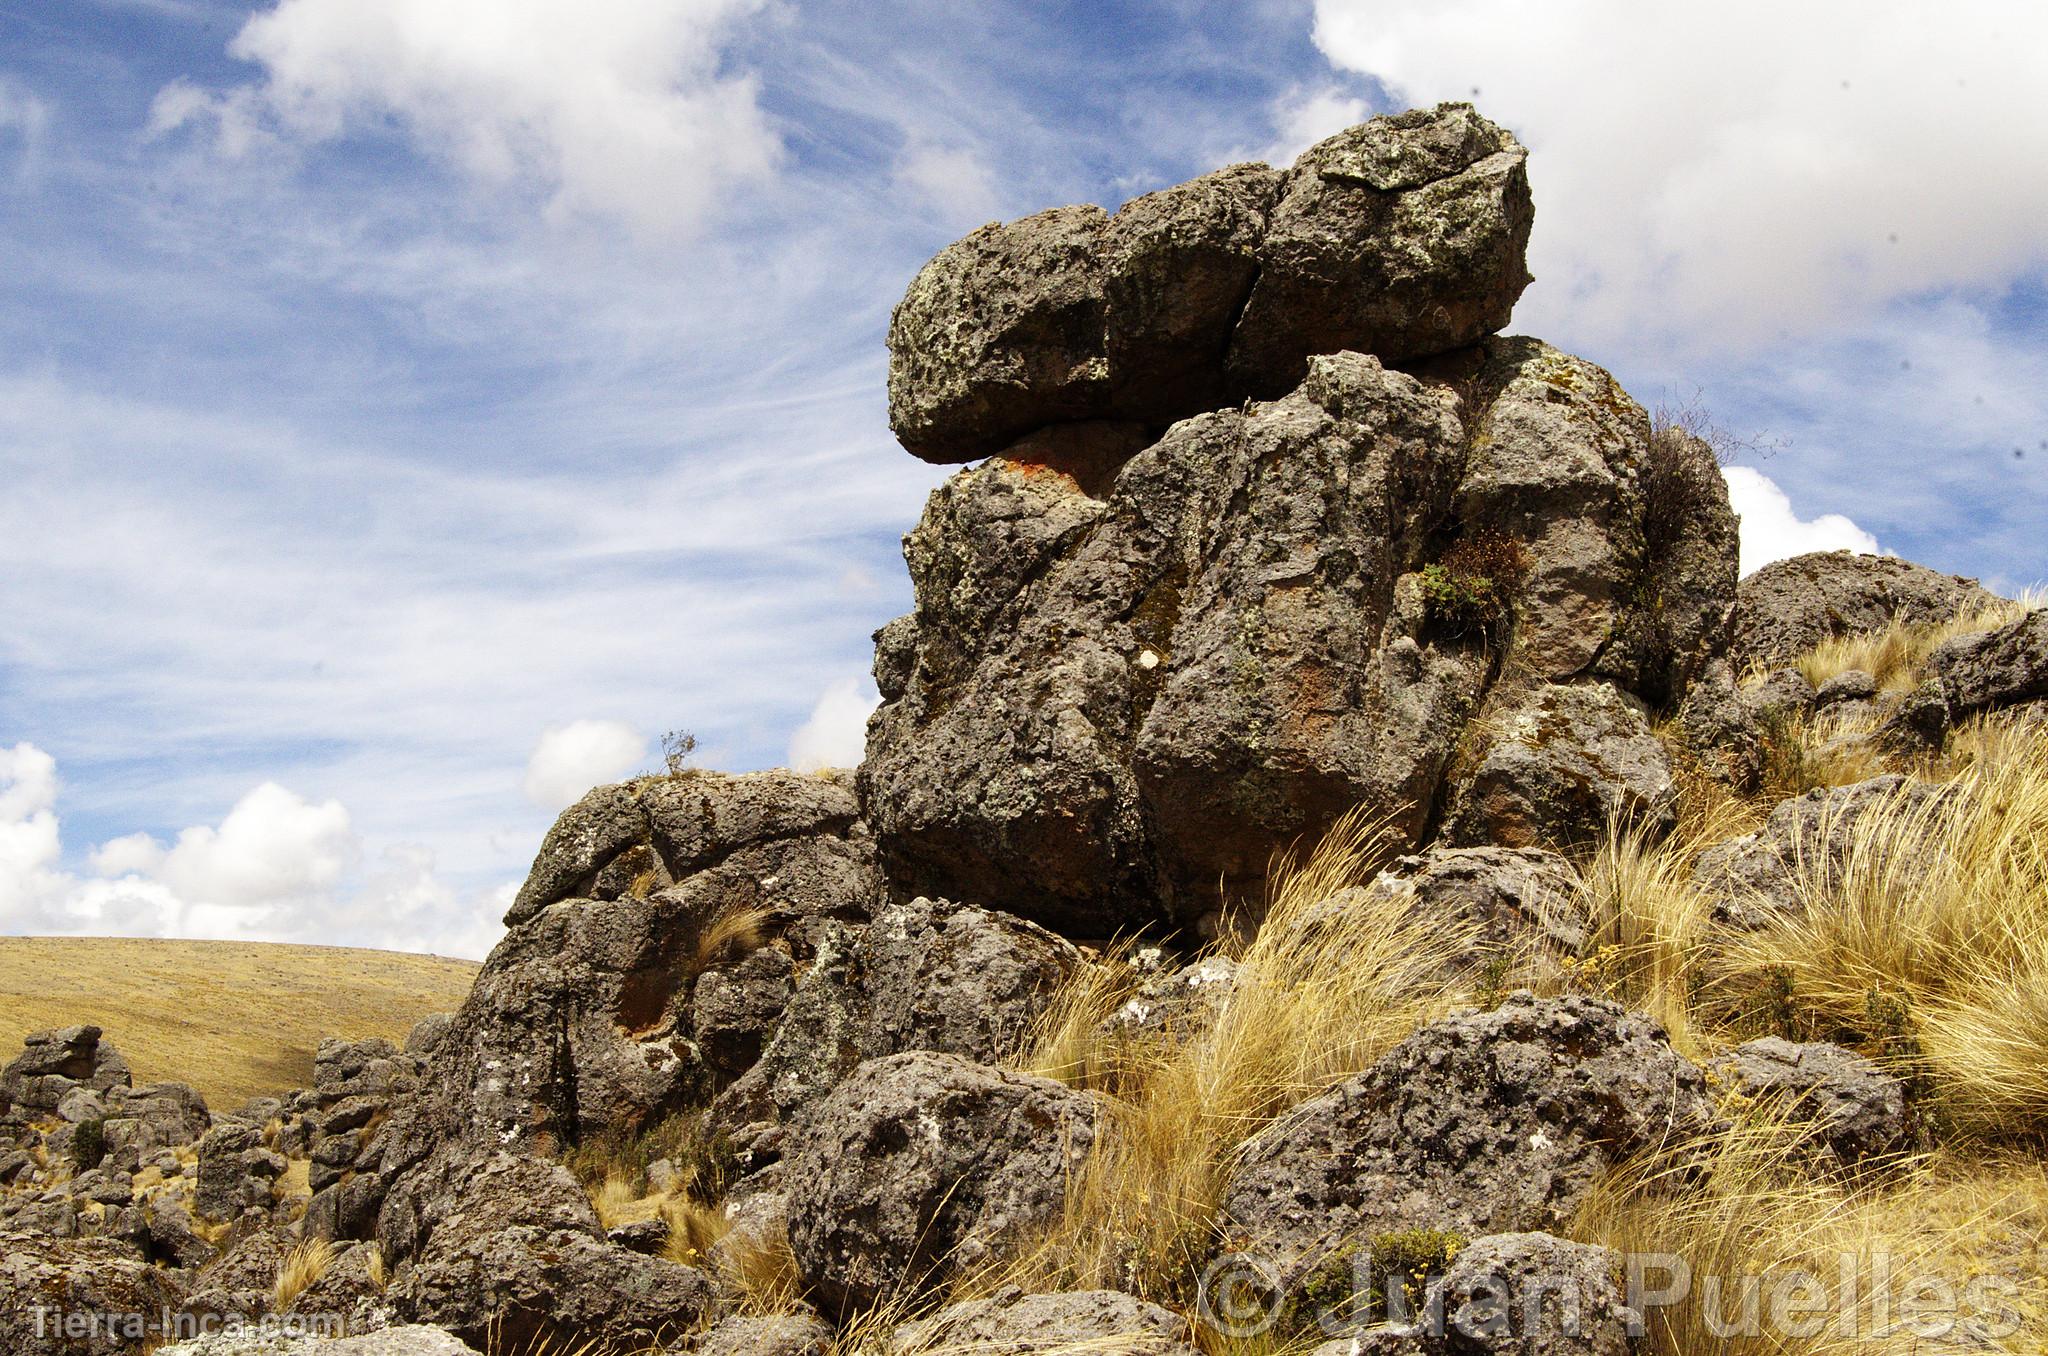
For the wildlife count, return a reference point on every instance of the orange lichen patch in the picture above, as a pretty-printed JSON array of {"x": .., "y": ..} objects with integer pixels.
[{"x": 1041, "y": 471}]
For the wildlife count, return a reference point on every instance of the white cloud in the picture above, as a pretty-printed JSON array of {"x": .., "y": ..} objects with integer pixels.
[
  {"x": 276, "y": 868},
  {"x": 572, "y": 758},
  {"x": 836, "y": 735},
  {"x": 618, "y": 108},
  {"x": 1305, "y": 116},
  {"x": 1772, "y": 531},
  {"x": 953, "y": 181},
  {"x": 23, "y": 119},
  {"x": 1733, "y": 171}
]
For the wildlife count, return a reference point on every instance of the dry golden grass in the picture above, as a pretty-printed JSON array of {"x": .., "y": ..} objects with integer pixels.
[
  {"x": 234, "y": 1019},
  {"x": 1332, "y": 978},
  {"x": 1895, "y": 654},
  {"x": 301, "y": 1269}
]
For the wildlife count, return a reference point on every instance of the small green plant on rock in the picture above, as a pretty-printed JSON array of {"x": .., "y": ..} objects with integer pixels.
[{"x": 1471, "y": 588}]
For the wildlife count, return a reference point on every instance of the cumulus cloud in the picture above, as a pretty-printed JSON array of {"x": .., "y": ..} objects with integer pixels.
[
  {"x": 1738, "y": 170},
  {"x": 618, "y": 108},
  {"x": 572, "y": 758},
  {"x": 1771, "y": 530},
  {"x": 276, "y": 868},
  {"x": 836, "y": 735}
]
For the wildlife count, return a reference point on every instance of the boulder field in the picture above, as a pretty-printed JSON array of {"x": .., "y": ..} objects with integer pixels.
[{"x": 1263, "y": 520}]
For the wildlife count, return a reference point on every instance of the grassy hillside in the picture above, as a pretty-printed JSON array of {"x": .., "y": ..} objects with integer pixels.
[{"x": 234, "y": 1019}]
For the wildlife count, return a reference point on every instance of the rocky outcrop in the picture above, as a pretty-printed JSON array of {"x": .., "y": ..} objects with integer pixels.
[
  {"x": 1403, "y": 237},
  {"x": 1857, "y": 1112},
  {"x": 777, "y": 1335},
  {"x": 651, "y": 950},
  {"x": 1492, "y": 1122},
  {"x": 1789, "y": 606},
  {"x": 57, "y": 1063},
  {"x": 1012, "y": 1323},
  {"x": 921, "y": 1166},
  {"x": 1122, "y": 687}
]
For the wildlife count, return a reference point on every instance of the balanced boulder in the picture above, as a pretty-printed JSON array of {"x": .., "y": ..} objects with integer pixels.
[{"x": 1402, "y": 237}]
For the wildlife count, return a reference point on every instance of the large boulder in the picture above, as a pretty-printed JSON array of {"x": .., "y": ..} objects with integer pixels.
[
  {"x": 585, "y": 1018},
  {"x": 1484, "y": 1123},
  {"x": 1121, "y": 688},
  {"x": 1789, "y": 606},
  {"x": 80, "y": 1297},
  {"x": 1013, "y": 1323},
  {"x": 1403, "y": 237},
  {"x": 924, "y": 975},
  {"x": 922, "y": 1166}
]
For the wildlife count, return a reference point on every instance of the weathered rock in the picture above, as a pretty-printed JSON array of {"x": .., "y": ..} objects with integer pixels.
[
  {"x": 155, "y": 1116},
  {"x": 582, "y": 1019},
  {"x": 509, "y": 1246},
  {"x": 55, "y": 1063},
  {"x": 1788, "y": 607},
  {"x": 235, "y": 1172},
  {"x": 242, "y": 1279},
  {"x": 1402, "y": 237},
  {"x": 1858, "y": 1111},
  {"x": 775, "y": 1335},
  {"x": 1115, "y": 694},
  {"x": 1562, "y": 765},
  {"x": 922, "y": 1165},
  {"x": 1012, "y": 1323},
  {"x": 1489, "y": 1122},
  {"x": 1516, "y": 1294},
  {"x": 410, "y": 1340},
  {"x": 1762, "y": 876},
  {"x": 1994, "y": 669},
  {"x": 79, "y": 1297},
  {"x": 926, "y": 975},
  {"x": 1177, "y": 1003},
  {"x": 350, "y": 1290}
]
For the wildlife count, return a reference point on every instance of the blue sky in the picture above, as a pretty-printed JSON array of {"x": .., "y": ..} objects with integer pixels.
[{"x": 409, "y": 411}]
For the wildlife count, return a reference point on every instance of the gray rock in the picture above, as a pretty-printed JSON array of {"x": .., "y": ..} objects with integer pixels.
[
  {"x": 581, "y": 1020},
  {"x": 428, "y": 1033},
  {"x": 54, "y": 1064},
  {"x": 52, "y": 1289},
  {"x": 926, "y": 975},
  {"x": 1762, "y": 876},
  {"x": 1483, "y": 1123},
  {"x": 1850, "y": 685},
  {"x": 1560, "y": 766},
  {"x": 920, "y": 1166},
  {"x": 235, "y": 1172},
  {"x": 1120, "y": 693},
  {"x": 1402, "y": 237},
  {"x": 1179, "y": 1003},
  {"x": 773, "y": 1335},
  {"x": 1780, "y": 693},
  {"x": 509, "y": 1247},
  {"x": 1515, "y": 1294},
  {"x": 1994, "y": 669},
  {"x": 410, "y": 1340},
  {"x": 349, "y": 1290},
  {"x": 1858, "y": 1111},
  {"x": 155, "y": 1116},
  {"x": 1788, "y": 607},
  {"x": 1013, "y": 1323}
]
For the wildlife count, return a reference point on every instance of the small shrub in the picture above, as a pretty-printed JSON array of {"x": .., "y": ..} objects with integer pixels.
[
  {"x": 89, "y": 1145},
  {"x": 1472, "y": 587},
  {"x": 676, "y": 748}
]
